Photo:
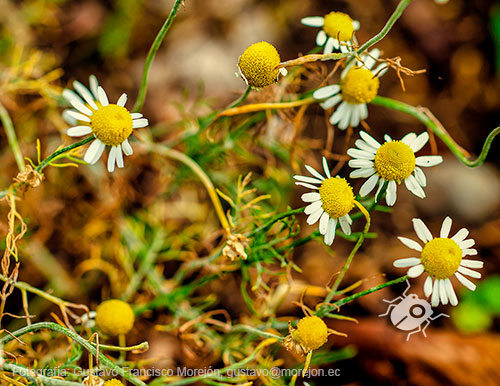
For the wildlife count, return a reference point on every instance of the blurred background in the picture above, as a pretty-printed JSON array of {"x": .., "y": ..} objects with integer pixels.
[{"x": 86, "y": 226}]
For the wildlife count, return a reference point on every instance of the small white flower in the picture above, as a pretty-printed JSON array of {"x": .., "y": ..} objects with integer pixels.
[
  {"x": 358, "y": 86},
  {"x": 330, "y": 203},
  {"x": 337, "y": 31},
  {"x": 394, "y": 161},
  {"x": 441, "y": 258},
  {"x": 110, "y": 124}
]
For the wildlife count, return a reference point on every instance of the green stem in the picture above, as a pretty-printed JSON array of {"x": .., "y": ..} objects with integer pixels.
[
  {"x": 152, "y": 53},
  {"x": 387, "y": 27},
  {"x": 278, "y": 217},
  {"x": 241, "y": 99},
  {"x": 36, "y": 378},
  {"x": 11, "y": 137},
  {"x": 252, "y": 330},
  {"x": 47, "y": 160},
  {"x": 341, "y": 302},
  {"x": 433, "y": 125},
  {"x": 78, "y": 339}
]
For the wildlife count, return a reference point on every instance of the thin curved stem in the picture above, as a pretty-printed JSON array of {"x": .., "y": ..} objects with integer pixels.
[
  {"x": 241, "y": 99},
  {"x": 11, "y": 137},
  {"x": 152, "y": 53},
  {"x": 426, "y": 117},
  {"x": 47, "y": 160}
]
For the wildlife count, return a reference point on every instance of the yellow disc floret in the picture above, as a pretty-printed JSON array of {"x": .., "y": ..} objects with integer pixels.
[
  {"x": 113, "y": 382},
  {"x": 111, "y": 124},
  {"x": 114, "y": 317},
  {"x": 338, "y": 25},
  {"x": 394, "y": 161},
  {"x": 441, "y": 257},
  {"x": 258, "y": 65},
  {"x": 336, "y": 196},
  {"x": 311, "y": 332},
  {"x": 358, "y": 86}
]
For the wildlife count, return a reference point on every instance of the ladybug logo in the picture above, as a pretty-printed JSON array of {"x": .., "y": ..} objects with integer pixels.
[{"x": 411, "y": 313}]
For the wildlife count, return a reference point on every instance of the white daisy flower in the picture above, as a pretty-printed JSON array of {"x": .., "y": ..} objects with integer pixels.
[
  {"x": 337, "y": 31},
  {"x": 111, "y": 124},
  {"x": 394, "y": 161},
  {"x": 441, "y": 257},
  {"x": 330, "y": 203},
  {"x": 358, "y": 86}
]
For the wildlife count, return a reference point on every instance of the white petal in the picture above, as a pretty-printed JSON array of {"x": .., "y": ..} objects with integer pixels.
[
  {"x": 416, "y": 270},
  {"x": 321, "y": 38},
  {"x": 355, "y": 116},
  {"x": 460, "y": 235},
  {"x": 339, "y": 113},
  {"x": 421, "y": 230},
  {"x": 94, "y": 85},
  {"x": 138, "y": 123},
  {"x": 70, "y": 95},
  {"x": 313, "y": 207},
  {"x": 323, "y": 223},
  {"x": 329, "y": 46},
  {"x": 466, "y": 244},
  {"x": 310, "y": 197},
  {"x": 336, "y": 44},
  {"x": 297, "y": 183},
  {"x": 127, "y": 149},
  {"x": 428, "y": 160},
  {"x": 362, "y": 173},
  {"x": 380, "y": 70},
  {"x": 356, "y": 24},
  {"x": 435, "y": 294},
  {"x": 330, "y": 102},
  {"x": 81, "y": 107},
  {"x": 387, "y": 138},
  {"x": 344, "y": 224},
  {"x": 380, "y": 186},
  {"x": 68, "y": 117},
  {"x": 410, "y": 243},
  {"x": 371, "y": 59},
  {"x": 330, "y": 232},
  {"x": 472, "y": 263},
  {"x": 344, "y": 49},
  {"x": 309, "y": 180},
  {"x": 314, "y": 172},
  {"x": 78, "y": 131},
  {"x": 445, "y": 228},
  {"x": 362, "y": 145},
  {"x": 368, "y": 186},
  {"x": 119, "y": 156},
  {"x": 94, "y": 152},
  {"x": 325, "y": 168},
  {"x": 314, "y": 216},
  {"x": 101, "y": 95},
  {"x": 362, "y": 154},
  {"x": 327, "y": 91},
  {"x": 420, "y": 176},
  {"x": 413, "y": 186},
  {"x": 78, "y": 116},
  {"x": 469, "y": 272},
  {"x": 313, "y": 21},
  {"x": 469, "y": 252},
  {"x": 409, "y": 138},
  {"x": 122, "y": 100},
  {"x": 360, "y": 163},
  {"x": 443, "y": 293},
  {"x": 450, "y": 292},
  {"x": 406, "y": 262},
  {"x": 84, "y": 92},
  {"x": 136, "y": 115},
  {"x": 112, "y": 159},
  {"x": 420, "y": 141},
  {"x": 346, "y": 119},
  {"x": 466, "y": 282},
  {"x": 428, "y": 286},
  {"x": 369, "y": 139},
  {"x": 391, "y": 195}
]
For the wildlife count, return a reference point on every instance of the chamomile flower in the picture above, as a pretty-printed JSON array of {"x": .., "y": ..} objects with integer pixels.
[
  {"x": 330, "y": 203},
  {"x": 337, "y": 31},
  {"x": 111, "y": 124},
  {"x": 358, "y": 86},
  {"x": 441, "y": 258},
  {"x": 392, "y": 162},
  {"x": 258, "y": 65}
]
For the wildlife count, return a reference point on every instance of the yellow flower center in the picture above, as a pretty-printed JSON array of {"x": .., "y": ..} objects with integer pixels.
[
  {"x": 441, "y": 257},
  {"x": 311, "y": 332},
  {"x": 336, "y": 196},
  {"x": 114, "y": 317},
  {"x": 111, "y": 124},
  {"x": 258, "y": 64},
  {"x": 394, "y": 161},
  {"x": 338, "y": 25},
  {"x": 358, "y": 86}
]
